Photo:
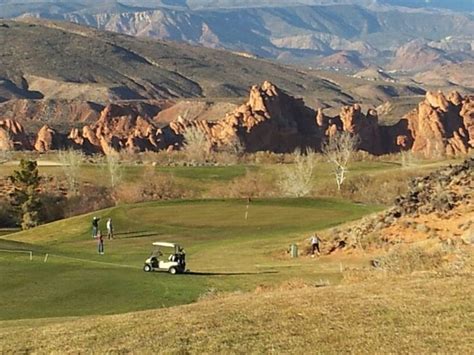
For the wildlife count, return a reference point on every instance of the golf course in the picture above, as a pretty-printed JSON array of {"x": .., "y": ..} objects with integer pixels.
[
  {"x": 242, "y": 292},
  {"x": 225, "y": 253}
]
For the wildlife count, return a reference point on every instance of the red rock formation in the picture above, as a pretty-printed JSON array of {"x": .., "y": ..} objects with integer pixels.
[
  {"x": 119, "y": 127},
  {"x": 364, "y": 126},
  {"x": 13, "y": 136},
  {"x": 46, "y": 139},
  {"x": 269, "y": 120},
  {"x": 467, "y": 113},
  {"x": 442, "y": 125}
]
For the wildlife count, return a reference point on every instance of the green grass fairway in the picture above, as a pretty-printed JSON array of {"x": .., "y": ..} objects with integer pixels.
[{"x": 225, "y": 252}]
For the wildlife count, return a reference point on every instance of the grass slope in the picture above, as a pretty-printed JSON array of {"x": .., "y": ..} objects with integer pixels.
[
  {"x": 415, "y": 314},
  {"x": 226, "y": 252}
]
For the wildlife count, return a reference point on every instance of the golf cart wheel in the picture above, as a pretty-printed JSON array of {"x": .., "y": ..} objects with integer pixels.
[
  {"x": 172, "y": 270},
  {"x": 147, "y": 268}
]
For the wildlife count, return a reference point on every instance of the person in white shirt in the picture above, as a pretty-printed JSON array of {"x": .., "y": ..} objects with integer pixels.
[
  {"x": 110, "y": 229},
  {"x": 315, "y": 240}
]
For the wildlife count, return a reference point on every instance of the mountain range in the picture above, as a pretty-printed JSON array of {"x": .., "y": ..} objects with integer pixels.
[
  {"x": 60, "y": 60},
  {"x": 64, "y": 84},
  {"x": 313, "y": 33}
]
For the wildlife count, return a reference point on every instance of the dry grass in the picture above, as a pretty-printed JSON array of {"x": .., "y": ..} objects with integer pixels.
[{"x": 410, "y": 314}]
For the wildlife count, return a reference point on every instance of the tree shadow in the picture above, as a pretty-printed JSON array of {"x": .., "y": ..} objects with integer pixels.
[
  {"x": 131, "y": 235},
  {"x": 131, "y": 232},
  {"x": 197, "y": 273}
]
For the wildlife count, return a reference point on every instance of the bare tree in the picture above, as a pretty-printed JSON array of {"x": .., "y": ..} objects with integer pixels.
[
  {"x": 5, "y": 156},
  {"x": 196, "y": 145},
  {"x": 71, "y": 161},
  {"x": 297, "y": 180},
  {"x": 407, "y": 158},
  {"x": 114, "y": 168},
  {"x": 339, "y": 150}
]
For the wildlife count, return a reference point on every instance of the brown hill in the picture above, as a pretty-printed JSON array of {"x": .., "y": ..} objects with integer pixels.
[
  {"x": 34, "y": 113},
  {"x": 342, "y": 60},
  {"x": 457, "y": 74},
  {"x": 63, "y": 61},
  {"x": 437, "y": 208},
  {"x": 417, "y": 55}
]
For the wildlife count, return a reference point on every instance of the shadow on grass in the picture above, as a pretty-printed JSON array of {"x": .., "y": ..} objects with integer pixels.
[
  {"x": 131, "y": 235},
  {"x": 196, "y": 273},
  {"x": 131, "y": 232}
]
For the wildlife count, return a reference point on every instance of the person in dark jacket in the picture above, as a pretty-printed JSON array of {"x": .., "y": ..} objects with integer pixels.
[
  {"x": 95, "y": 226},
  {"x": 100, "y": 243}
]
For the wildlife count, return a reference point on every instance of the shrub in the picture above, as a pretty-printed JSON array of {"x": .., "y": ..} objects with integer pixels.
[
  {"x": 71, "y": 161},
  {"x": 297, "y": 180},
  {"x": 54, "y": 207},
  {"x": 7, "y": 217},
  {"x": 5, "y": 156},
  {"x": 196, "y": 146},
  {"x": 266, "y": 157},
  {"x": 90, "y": 198},
  {"x": 251, "y": 185},
  {"x": 151, "y": 187},
  {"x": 379, "y": 188}
]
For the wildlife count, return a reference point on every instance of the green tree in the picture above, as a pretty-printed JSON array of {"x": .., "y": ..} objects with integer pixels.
[{"x": 25, "y": 198}]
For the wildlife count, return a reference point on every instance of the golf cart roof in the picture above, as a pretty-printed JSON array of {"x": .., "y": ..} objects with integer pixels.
[{"x": 165, "y": 244}]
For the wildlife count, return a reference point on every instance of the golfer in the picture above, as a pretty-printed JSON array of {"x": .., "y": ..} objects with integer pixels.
[
  {"x": 95, "y": 226},
  {"x": 315, "y": 240},
  {"x": 110, "y": 229},
  {"x": 100, "y": 243}
]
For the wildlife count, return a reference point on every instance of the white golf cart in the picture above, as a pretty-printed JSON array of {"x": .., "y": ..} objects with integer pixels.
[{"x": 174, "y": 263}]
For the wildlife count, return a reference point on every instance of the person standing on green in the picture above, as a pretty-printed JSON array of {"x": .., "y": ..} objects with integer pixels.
[
  {"x": 100, "y": 243},
  {"x": 95, "y": 226},
  {"x": 110, "y": 229},
  {"x": 315, "y": 240}
]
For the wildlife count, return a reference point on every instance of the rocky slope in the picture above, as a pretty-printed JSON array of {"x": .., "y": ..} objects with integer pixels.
[
  {"x": 437, "y": 207},
  {"x": 270, "y": 120}
]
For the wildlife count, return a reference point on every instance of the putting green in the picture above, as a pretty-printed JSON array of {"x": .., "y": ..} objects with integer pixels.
[{"x": 225, "y": 252}]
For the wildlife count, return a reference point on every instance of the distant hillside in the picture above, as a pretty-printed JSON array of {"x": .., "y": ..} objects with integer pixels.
[
  {"x": 418, "y": 56},
  {"x": 455, "y": 5},
  {"x": 66, "y": 61},
  {"x": 298, "y": 31},
  {"x": 461, "y": 74}
]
